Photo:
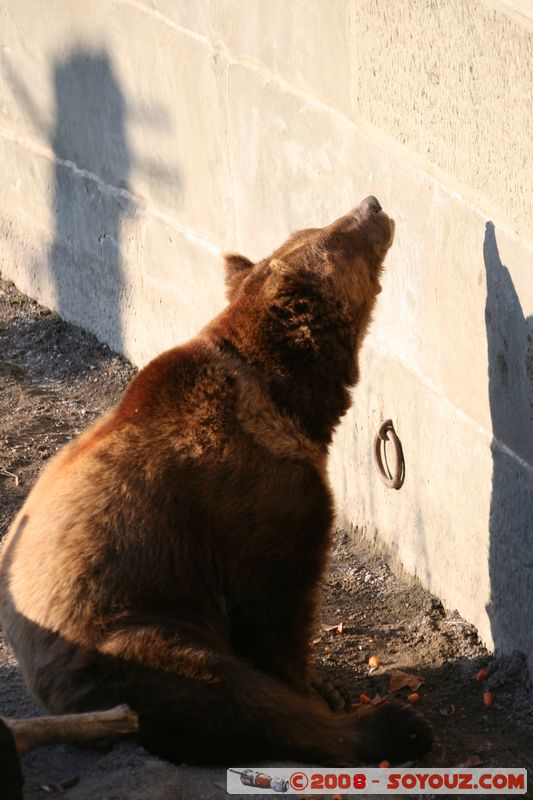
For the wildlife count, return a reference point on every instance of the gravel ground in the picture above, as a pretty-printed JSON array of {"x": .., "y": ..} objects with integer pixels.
[{"x": 54, "y": 380}]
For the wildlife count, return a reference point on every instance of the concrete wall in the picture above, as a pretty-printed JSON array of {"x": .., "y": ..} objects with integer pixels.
[{"x": 141, "y": 137}]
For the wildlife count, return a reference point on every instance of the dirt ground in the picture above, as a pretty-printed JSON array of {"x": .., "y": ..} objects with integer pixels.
[{"x": 54, "y": 380}]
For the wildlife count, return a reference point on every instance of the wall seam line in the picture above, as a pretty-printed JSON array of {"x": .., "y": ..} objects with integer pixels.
[{"x": 140, "y": 204}]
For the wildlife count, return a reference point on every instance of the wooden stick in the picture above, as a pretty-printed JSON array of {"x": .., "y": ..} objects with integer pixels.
[{"x": 38, "y": 731}]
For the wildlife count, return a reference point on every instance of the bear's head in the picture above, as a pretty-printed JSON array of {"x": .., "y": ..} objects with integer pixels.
[
  {"x": 301, "y": 314},
  {"x": 348, "y": 253}
]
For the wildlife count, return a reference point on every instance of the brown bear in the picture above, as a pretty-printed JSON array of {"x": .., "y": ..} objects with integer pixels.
[{"x": 170, "y": 557}]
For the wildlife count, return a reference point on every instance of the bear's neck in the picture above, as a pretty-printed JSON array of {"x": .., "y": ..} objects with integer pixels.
[
  {"x": 311, "y": 388},
  {"x": 316, "y": 397}
]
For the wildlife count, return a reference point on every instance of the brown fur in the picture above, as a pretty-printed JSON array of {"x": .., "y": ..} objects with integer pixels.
[{"x": 170, "y": 557}]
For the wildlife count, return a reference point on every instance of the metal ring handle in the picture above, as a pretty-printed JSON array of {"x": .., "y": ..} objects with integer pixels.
[{"x": 386, "y": 433}]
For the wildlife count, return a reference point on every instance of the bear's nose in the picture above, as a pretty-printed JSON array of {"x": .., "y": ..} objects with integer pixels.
[{"x": 371, "y": 203}]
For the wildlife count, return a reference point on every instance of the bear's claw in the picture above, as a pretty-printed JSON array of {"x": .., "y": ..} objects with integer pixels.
[{"x": 332, "y": 692}]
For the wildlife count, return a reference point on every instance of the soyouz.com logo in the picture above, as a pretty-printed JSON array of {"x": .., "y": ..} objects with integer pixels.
[{"x": 311, "y": 780}]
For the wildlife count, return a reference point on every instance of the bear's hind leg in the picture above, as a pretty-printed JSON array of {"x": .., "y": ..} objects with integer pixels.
[{"x": 199, "y": 705}]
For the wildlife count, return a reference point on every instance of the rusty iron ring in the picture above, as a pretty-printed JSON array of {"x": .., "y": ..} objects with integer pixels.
[{"x": 386, "y": 433}]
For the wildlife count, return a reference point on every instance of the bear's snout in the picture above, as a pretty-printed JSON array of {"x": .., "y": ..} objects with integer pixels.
[{"x": 370, "y": 203}]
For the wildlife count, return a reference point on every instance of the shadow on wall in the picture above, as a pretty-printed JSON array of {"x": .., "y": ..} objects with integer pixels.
[
  {"x": 92, "y": 201},
  {"x": 85, "y": 259},
  {"x": 510, "y": 359}
]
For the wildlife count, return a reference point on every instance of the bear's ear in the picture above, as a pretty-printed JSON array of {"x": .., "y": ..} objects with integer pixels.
[{"x": 237, "y": 269}]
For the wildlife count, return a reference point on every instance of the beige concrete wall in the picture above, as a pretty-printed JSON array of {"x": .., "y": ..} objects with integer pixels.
[{"x": 142, "y": 137}]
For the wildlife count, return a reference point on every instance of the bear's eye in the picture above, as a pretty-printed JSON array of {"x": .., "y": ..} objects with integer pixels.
[{"x": 300, "y": 307}]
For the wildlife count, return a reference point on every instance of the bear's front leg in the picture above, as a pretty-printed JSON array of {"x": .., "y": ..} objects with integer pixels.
[
  {"x": 273, "y": 612},
  {"x": 275, "y": 636},
  {"x": 284, "y": 651}
]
